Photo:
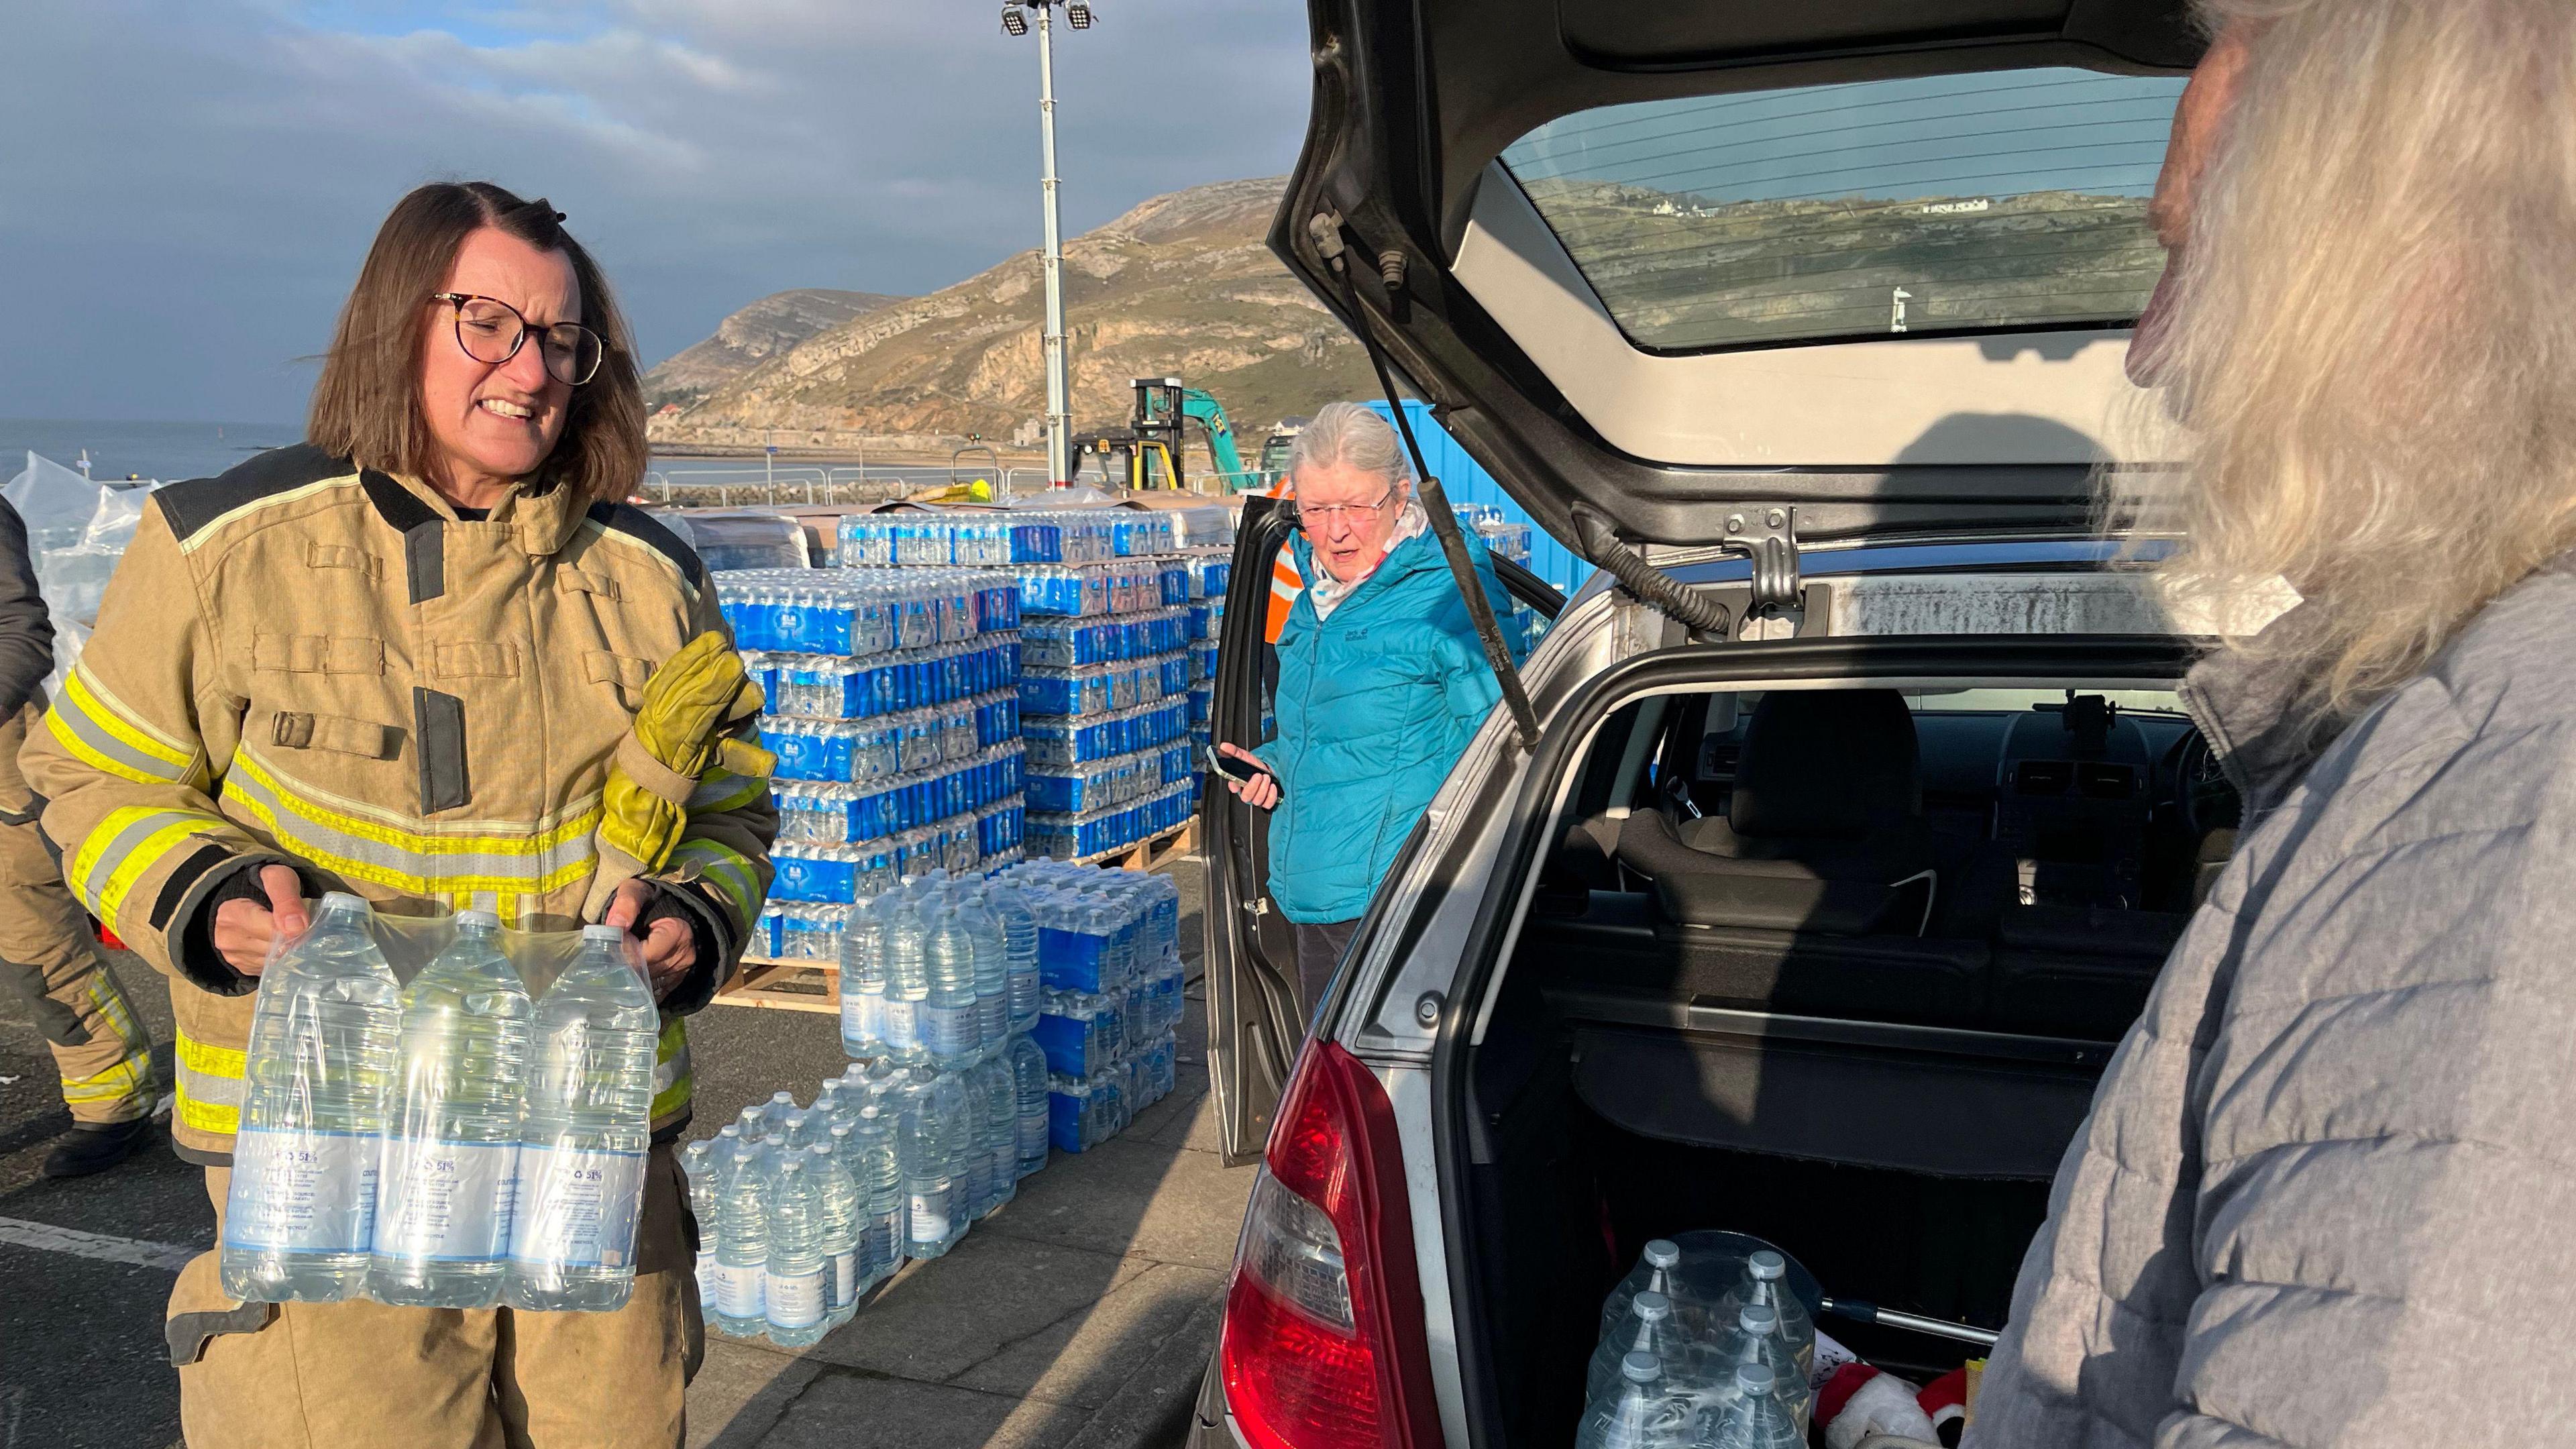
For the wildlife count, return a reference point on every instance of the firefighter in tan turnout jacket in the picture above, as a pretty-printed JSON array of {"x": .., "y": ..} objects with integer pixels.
[{"x": 352, "y": 673}]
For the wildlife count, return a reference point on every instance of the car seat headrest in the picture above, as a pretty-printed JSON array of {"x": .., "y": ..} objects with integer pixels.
[{"x": 1826, "y": 762}]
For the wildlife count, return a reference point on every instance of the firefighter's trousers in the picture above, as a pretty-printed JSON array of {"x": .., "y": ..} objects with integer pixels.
[
  {"x": 49, "y": 963},
  {"x": 327, "y": 1375}
]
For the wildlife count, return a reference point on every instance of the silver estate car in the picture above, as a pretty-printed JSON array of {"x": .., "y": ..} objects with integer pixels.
[{"x": 1859, "y": 810}]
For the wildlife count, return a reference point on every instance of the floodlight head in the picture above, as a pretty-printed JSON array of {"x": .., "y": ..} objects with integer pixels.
[
  {"x": 1013, "y": 21},
  {"x": 1079, "y": 14}
]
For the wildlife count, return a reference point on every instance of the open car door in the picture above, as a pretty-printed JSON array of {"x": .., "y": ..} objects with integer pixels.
[{"x": 1255, "y": 1016}]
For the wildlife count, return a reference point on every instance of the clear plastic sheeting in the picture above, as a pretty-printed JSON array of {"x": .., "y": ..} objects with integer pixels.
[
  {"x": 740, "y": 538},
  {"x": 77, "y": 530}
]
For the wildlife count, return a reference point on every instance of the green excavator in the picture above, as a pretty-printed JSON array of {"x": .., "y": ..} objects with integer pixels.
[{"x": 1147, "y": 452}]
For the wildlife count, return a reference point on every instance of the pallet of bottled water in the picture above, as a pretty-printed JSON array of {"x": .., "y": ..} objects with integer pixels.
[
  {"x": 1704, "y": 1343},
  {"x": 1206, "y": 618},
  {"x": 913, "y": 537},
  {"x": 1093, "y": 834},
  {"x": 449, "y": 1143},
  {"x": 858, "y": 612},
  {"x": 825, "y": 874}
]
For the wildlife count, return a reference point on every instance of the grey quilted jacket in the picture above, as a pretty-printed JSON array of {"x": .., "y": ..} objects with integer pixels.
[{"x": 2327, "y": 1192}]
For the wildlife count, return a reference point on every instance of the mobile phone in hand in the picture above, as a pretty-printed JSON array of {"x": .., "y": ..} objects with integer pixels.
[{"x": 1239, "y": 771}]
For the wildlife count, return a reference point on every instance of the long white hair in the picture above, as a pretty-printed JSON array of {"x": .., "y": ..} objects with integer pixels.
[{"x": 2373, "y": 349}]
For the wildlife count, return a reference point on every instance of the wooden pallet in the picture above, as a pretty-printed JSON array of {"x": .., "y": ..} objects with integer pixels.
[{"x": 816, "y": 985}]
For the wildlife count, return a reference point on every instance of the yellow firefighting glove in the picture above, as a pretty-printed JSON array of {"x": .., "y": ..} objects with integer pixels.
[{"x": 693, "y": 705}]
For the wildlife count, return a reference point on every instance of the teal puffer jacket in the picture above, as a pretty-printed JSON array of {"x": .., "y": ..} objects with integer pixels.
[{"x": 1375, "y": 704}]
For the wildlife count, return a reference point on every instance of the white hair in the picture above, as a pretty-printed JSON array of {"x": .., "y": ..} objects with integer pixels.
[
  {"x": 2373, "y": 348},
  {"x": 1348, "y": 435}
]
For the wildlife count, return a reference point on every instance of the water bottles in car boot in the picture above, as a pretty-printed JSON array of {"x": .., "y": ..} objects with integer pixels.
[
  {"x": 794, "y": 1299},
  {"x": 300, "y": 1215},
  {"x": 1753, "y": 1417},
  {"x": 1659, "y": 1268},
  {"x": 1765, "y": 1281},
  {"x": 1650, "y": 1327},
  {"x": 589, "y": 1126},
  {"x": 1639, "y": 1412},
  {"x": 1755, "y": 1338},
  {"x": 446, "y": 1185}
]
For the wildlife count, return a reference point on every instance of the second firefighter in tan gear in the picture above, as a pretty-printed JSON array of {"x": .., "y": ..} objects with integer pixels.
[
  {"x": 49, "y": 961},
  {"x": 307, "y": 664}
]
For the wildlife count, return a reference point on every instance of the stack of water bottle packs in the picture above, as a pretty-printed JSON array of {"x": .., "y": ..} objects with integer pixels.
[
  {"x": 1103, "y": 692},
  {"x": 446, "y": 1144},
  {"x": 1705, "y": 1346},
  {"x": 894, "y": 713}
]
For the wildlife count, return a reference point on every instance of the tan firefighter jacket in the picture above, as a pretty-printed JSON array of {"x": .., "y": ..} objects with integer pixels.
[{"x": 302, "y": 663}]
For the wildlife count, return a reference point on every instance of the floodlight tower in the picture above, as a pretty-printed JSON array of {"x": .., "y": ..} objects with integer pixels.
[{"x": 1059, "y": 381}]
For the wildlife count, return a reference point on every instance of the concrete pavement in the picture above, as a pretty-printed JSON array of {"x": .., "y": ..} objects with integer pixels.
[{"x": 1079, "y": 1315}]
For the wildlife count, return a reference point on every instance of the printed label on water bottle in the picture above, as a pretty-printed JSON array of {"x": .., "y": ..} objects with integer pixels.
[
  {"x": 739, "y": 1289},
  {"x": 577, "y": 1209},
  {"x": 865, "y": 1014},
  {"x": 929, "y": 1215},
  {"x": 795, "y": 1299},
  {"x": 902, "y": 1024},
  {"x": 447, "y": 1201},
  {"x": 845, "y": 1279},
  {"x": 302, "y": 1192},
  {"x": 948, "y": 1031}
]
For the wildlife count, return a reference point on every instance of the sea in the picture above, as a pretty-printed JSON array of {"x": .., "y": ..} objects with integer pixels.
[{"x": 117, "y": 449}]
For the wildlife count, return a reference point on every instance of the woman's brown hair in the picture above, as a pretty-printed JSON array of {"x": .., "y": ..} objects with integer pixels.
[{"x": 366, "y": 406}]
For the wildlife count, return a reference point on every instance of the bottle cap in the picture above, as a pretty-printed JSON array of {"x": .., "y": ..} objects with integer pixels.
[
  {"x": 1758, "y": 1318},
  {"x": 1642, "y": 1367},
  {"x": 341, "y": 903},
  {"x": 1767, "y": 1266},
  {"x": 611, "y": 935},
  {"x": 1651, "y": 1305},
  {"x": 825, "y": 1148},
  {"x": 1753, "y": 1379}
]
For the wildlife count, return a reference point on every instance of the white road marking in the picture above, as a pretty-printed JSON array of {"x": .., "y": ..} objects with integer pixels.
[{"x": 103, "y": 1247}]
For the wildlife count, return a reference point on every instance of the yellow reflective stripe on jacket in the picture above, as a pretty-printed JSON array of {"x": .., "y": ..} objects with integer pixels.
[
  {"x": 672, "y": 1079},
  {"x": 461, "y": 859},
  {"x": 728, "y": 870},
  {"x": 209, "y": 1087},
  {"x": 126, "y": 845},
  {"x": 722, "y": 790},
  {"x": 90, "y": 723}
]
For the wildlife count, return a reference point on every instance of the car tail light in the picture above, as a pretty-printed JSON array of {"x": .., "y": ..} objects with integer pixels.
[{"x": 1323, "y": 1344}]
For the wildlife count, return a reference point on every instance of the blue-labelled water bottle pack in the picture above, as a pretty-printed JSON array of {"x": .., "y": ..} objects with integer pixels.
[{"x": 441, "y": 1113}]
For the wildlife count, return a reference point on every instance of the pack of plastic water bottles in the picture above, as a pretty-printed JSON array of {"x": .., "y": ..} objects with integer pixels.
[
  {"x": 832, "y": 813},
  {"x": 1056, "y": 743},
  {"x": 1101, "y": 688},
  {"x": 1210, "y": 570},
  {"x": 1206, "y": 618},
  {"x": 1503, "y": 538},
  {"x": 1123, "y": 586},
  {"x": 912, "y": 536},
  {"x": 856, "y": 751},
  {"x": 851, "y": 612},
  {"x": 1110, "y": 969},
  {"x": 827, "y": 686},
  {"x": 1066, "y": 642},
  {"x": 1094, "y": 833},
  {"x": 1117, "y": 780},
  {"x": 828, "y": 874}
]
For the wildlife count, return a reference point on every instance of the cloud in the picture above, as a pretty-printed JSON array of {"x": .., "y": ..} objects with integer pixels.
[{"x": 189, "y": 185}]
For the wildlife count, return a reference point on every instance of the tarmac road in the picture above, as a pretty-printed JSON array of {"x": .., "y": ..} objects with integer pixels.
[{"x": 1132, "y": 1240}]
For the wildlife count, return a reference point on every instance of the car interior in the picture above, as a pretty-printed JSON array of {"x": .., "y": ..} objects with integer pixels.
[{"x": 1838, "y": 967}]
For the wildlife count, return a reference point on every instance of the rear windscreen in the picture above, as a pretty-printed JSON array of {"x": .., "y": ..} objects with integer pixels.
[{"x": 2003, "y": 200}]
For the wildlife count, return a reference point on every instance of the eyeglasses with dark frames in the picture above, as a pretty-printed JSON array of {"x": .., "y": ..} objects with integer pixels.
[{"x": 492, "y": 331}]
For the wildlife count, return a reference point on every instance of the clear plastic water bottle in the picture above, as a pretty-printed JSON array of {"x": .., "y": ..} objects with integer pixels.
[
  {"x": 1659, "y": 1268},
  {"x": 1029, "y": 1091},
  {"x": 446, "y": 1183},
  {"x": 774, "y": 1114},
  {"x": 993, "y": 1085},
  {"x": 589, "y": 1126},
  {"x": 948, "y": 1023},
  {"x": 971, "y": 1167},
  {"x": 300, "y": 1216},
  {"x": 840, "y": 1225},
  {"x": 863, "y": 984},
  {"x": 1766, "y": 1282},
  {"x": 1755, "y": 1338},
  {"x": 879, "y": 1174},
  {"x": 1019, "y": 950},
  {"x": 992, "y": 973},
  {"x": 931, "y": 1224},
  {"x": 907, "y": 977},
  {"x": 1639, "y": 1412},
  {"x": 1753, "y": 1416},
  {"x": 697, "y": 1161},
  {"x": 1649, "y": 1328},
  {"x": 795, "y": 1299},
  {"x": 742, "y": 1240}
]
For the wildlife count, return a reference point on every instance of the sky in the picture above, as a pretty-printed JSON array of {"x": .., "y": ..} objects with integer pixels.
[{"x": 187, "y": 187}]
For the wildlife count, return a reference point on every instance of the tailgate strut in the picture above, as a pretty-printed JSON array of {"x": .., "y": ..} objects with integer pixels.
[{"x": 1326, "y": 229}]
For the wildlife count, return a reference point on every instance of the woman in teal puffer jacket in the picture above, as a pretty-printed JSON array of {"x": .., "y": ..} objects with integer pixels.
[{"x": 1381, "y": 682}]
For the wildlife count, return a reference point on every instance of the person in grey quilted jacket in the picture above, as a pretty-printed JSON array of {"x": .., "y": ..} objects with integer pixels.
[{"x": 2327, "y": 1192}]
